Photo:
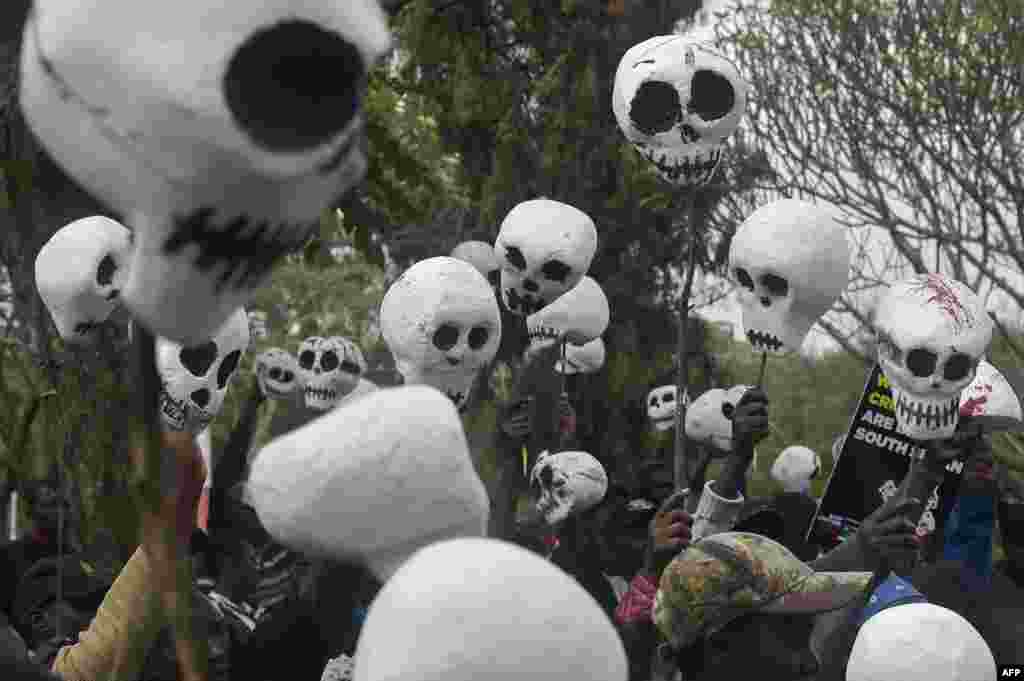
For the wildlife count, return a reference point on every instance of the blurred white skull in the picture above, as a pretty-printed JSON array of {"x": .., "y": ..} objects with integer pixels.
[
  {"x": 221, "y": 148},
  {"x": 990, "y": 394},
  {"x": 196, "y": 379},
  {"x": 480, "y": 255},
  {"x": 567, "y": 483},
  {"x": 258, "y": 324},
  {"x": 662, "y": 407},
  {"x": 544, "y": 247},
  {"x": 795, "y": 467},
  {"x": 709, "y": 417},
  {"x": 341, "y": 668},
  {"x": 582, "y": 359},
  {"x": 441, "y": 321},
  {"x": 578, "y": 316},
  {"x": 79, "y": 273},
  {"x": 330, "y": 369},
  {"x": 791, "y": 261},
  {"x": 277, "y": 373},
  {"x": 932, "y": 332},
  {"x": 677, "y": 101}
]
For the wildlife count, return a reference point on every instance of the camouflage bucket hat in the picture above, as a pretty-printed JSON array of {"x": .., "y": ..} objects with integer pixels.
[{"x": 728, "y": 575}]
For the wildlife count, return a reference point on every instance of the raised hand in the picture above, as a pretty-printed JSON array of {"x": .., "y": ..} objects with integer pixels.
[{"x": 668, "y": 534}]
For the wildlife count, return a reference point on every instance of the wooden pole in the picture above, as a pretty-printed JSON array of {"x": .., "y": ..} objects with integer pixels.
[{"x": 682, "y": 375}]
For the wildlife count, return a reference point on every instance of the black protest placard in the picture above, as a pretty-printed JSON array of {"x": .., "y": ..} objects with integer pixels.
[{"x": 873, "y": 461}]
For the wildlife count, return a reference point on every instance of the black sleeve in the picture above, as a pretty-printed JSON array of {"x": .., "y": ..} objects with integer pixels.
[{"x": 229, "y": 468}]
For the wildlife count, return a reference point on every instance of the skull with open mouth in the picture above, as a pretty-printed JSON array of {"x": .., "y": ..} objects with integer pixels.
[
  {"x": 196, "y": 378},
  {"x": 932, "y": 332},
  {"x": 544, "y": 247},
  {"x": 677, "y": 102},
  {"x": 662, "y": 407},
  {"x": 79, "y": 273},
  {"x": 791, "y": 261},
  {"x": 330, "y": 369},
  {"x": 567, "y": 483},
  {"x": 441, "y": 321},
  {"x": 277, "y": 373}
]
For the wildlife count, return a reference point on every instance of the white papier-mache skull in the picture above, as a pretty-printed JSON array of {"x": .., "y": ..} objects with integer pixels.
[
  {"x": 544, "y": 247},
  {"x": 676, "y": 102},
  {"x": 277, "y": 373},
  {"x": 791, "y": 261},
  {"x": 480, "y": 255},
  {"x": 441, "y": 321},
  {"x": 582, "y": 359},
  {"x": 709, "y": 417},
  {"x": 662, "y": 406},
  {"x": 990, "y": 394},
  {"x": 795, "y": 467},
  {"x": 79, "y": 274},
  {"x": 221, "y": 148},
  {"x": 567, "y": 483},
  {"x": 578, "y": 316},
  {"x": 341, "y": 668},
  {"x": 196, "y": 378},
  {"x": 932, "y": 332},
  {"x": 330, "y": 369}
]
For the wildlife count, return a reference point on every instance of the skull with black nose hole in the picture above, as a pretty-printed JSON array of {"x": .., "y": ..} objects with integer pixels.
[
  {"x": 567, "y": 484},
  {"x": 330, "y": 369},
  {"x": 277, "y": 373},
  {"x": 662, "y": 406}
]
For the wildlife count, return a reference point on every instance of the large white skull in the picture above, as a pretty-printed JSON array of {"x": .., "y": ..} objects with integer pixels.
[
  {"x": 480, "y": 255},
  {"x": 330, "y": 369},
  {"x": 221, "y": 147},
  {"x": 544, "y": 247},
  {"x": 709, "y": 417},
  {"x": 442, "y": 324},
  {"x": 196, "y": 378},
  {"x": 662, "y": 406},
  {"x": 277, "y": 373},
  {"x": 578, "y": 316},
  {"x": 567, "y": 483},
  {"x": 79, "y": 273},
  {"x": 990, "y": 394},
  {"x": 582, "y": 359},
  {"x": 795, "y": 467},
  {"x": 677, "y": 101},
  {"x": 791, "y": 261},
  {"x": 932, "y": 332}
]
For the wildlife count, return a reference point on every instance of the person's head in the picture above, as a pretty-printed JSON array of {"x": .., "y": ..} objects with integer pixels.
[
  {"x": 736, "y": 601},
  {"x": 919, "y": 641}
]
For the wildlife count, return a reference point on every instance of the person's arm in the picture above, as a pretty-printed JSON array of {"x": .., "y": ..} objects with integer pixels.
[{"x": 229, "y": 467}]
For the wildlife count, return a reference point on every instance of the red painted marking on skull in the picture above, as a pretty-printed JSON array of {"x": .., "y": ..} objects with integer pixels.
[
  {"x": 943, "y": 295},
  {"x": 974, "y": 406}
]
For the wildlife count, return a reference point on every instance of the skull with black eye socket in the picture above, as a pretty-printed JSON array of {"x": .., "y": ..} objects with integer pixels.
[
  {"x": 277, "y": 373},
  {"x": 441, "y": 321},
  {"x": 567, "y": 484},
  {"x": 196, "y": 379},
  {"x": 662, "y": 407},
  {"x": 330, "y": 369},
  {"x": 709, "y": 418},
  {"x": 544, "y": 248}
]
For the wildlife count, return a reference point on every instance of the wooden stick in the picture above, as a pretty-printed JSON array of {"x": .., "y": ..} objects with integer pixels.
[
  {"x": 682, "y": 376},
  {"x": 764, "y": 362}
]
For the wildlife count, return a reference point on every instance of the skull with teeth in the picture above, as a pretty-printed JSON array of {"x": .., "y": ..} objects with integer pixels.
[
  {"x": 791, "y": 262},
  {"x": 567, "y": 483},
  {"x": 932, "y": 332},
  {"x": 544, "y": 247},
  {"x": 480, "y": 255},
  {"x": 196, "y": 378},
  {"x": 79, "y": 272},
  {"x": 222, "y": 157},
  {"x": 662, "y": 406},
  {"x": 677, "y": 102},
  {"x": 709, "y": 417},
  {"x": 330, "y": 369},
  {"x": 441, "y": 321},
  {"x": 277, "y": 373}
]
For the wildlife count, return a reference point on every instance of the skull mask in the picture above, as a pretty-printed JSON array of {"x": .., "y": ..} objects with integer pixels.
[
  {"x": 196, "y": 379},
  {"x": 568, "y": 483},
  {"x": 221, "y": 148},
  {"x": 330, "y": 369},
  {"x": 791, "y": 261},
  {"x": 277, "y": 373},
  {"x": 544, "y": 247},
  {"x": 709, "y": 418},
  {"x": 442, "y": 324},
  {"x": 79, "y": 273},
  {"x": 795, "y": 467},
  {"x": 990, "y": 394},
  {"x": 480, "y": 255},
  {"x": 932, "y": 332},
  {"x": 676, "y": 102},
  {"x": 582, "y": 359},
  {"x": 662, "y": 407}
]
